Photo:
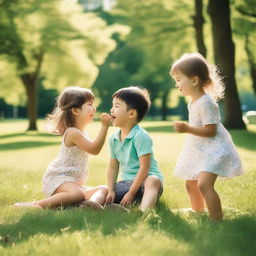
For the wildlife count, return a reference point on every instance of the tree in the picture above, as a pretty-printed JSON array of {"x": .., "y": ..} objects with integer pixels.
[
  {"x": 198, "y": 24},
  {"x": 245, "y": 27},
  {"x": 224, "y": 54},
  {"x": 161, "y": 35},
  {"x": 53, "y": 38}
]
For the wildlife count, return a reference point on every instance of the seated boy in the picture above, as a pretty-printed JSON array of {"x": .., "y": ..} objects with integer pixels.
[{"x": 131, "y": 149}]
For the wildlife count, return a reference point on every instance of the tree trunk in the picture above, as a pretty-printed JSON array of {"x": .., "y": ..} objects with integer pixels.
[
  {"x": 224, "y": 53},
  {"x": 198, "y": 24},
  {"x": 252, "y": 64},
  {"x": 30, "y": 81},
  {"x": 31, "y": 92},
  {"x": 164, "y": 104}
]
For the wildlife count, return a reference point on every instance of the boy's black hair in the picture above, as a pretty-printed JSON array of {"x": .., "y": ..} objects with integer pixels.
[{"x": 135, "y": 98}]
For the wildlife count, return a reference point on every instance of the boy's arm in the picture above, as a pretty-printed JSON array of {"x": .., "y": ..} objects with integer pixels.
[
  {"x": 113, "y": 170},
  {"x": 140, "y": 177}
]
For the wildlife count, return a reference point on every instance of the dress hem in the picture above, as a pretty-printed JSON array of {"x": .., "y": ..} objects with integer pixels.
[{"x": 219, "y": 175}]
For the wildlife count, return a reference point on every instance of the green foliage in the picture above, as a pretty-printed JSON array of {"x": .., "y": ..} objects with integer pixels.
[
  {"x": 144, "y": 56},
  {"x": 155, "y": 27},
  {"x": 117, "y": 72},
  {"x": 11, "y": 87},
  {"x": 76, "y": 42},
  {"x": 46, "y": 99},
  {"x": 70, "y": 42},
  {"x": 244, "y": 22}
]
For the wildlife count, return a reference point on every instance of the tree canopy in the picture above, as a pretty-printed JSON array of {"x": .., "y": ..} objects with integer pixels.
[{"x": 112, "y": 44}]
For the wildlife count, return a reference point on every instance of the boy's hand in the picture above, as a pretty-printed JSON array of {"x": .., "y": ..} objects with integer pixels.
[
  {"x": 110, "y": 197},
  {"x": 106, "y": 119},
  {"x": 127, "y": 199},
  {"x": 181, "y": 126}
]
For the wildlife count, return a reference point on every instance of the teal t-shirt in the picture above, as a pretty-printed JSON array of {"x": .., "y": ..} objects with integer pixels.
[{"x": 127, "y": 153}]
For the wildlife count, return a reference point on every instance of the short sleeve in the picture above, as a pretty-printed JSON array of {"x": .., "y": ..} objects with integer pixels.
[
  {"x": 112, "y": 148},
  {"x": 210, "y": 112},
  {"x": 143, "y": 144}
]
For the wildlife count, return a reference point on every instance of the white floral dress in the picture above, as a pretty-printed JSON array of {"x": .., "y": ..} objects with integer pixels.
[
  {"x": 209, "y": 154},
  {"x": 69, "y": 166}
]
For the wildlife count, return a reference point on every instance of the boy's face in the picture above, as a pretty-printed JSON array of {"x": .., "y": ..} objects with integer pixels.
[{"x": 120, "y": 113}]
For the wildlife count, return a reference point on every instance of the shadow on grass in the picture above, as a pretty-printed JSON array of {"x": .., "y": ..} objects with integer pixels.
[
  {"x": 244, "y": 139},
  {"x": 25, "y": 144},
  {"x": 234, "y": 237},
  {"x": 24, "y": 134},
  {"x": 54, "y": 222},
  {"x": 172, "y": 224},
  {"x": 165, "y": 129}
]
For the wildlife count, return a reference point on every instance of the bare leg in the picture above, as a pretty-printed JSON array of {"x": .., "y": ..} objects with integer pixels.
[
  {"x": 152, "y": 186},
  {"x": 205, "y": 184},
  {"x": 95, "y": 197},
  {"x": 69, "y": 193},
  {"x": 195, "y": 196},
  {"x": 96, "y": 194},
  {"x": 65, "y": 194}
]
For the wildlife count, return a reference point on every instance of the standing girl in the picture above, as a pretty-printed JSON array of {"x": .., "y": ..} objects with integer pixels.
[
  {"x": 62, "y": 182},
  {"x": 208, "y": 151}
]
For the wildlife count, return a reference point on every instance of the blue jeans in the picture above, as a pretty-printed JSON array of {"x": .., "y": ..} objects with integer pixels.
[{"x": 123, "y": 186}]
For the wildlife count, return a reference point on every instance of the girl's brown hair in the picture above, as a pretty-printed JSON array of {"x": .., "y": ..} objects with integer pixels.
[
  {"x": 194, "y": 64},
  {"x": 62, "y": 117}
]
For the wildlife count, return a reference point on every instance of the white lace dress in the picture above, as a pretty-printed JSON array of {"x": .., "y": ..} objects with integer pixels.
[
  {"x": 69, "y": 166},
  {"x": 209, "y": 154}
]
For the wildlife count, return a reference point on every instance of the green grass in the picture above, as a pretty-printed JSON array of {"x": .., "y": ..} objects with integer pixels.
[{"x": 24, "y": 157}]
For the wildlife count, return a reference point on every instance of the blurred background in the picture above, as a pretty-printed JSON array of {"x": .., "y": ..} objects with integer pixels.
[{"x": 46, "y": 45}]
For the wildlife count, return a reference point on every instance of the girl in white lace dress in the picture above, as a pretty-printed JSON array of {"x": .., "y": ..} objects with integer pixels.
[
  {"x": 208, "y": 151},
  {"x": 62, "y": 182}
]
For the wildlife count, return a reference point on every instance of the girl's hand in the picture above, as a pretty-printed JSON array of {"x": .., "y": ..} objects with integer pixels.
[
  {"x": 110, "y": 197},
  {"x": 181, "y": 126},
  {"x": 106, "y": 119}
]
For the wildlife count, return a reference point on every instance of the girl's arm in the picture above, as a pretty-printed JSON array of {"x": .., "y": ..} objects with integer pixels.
[
  {"x": 208, "y": 130},
  {"x": 140, "y": 177},
  {"x": 77, "y": 138},
  {"x": 112, "y": 177}
]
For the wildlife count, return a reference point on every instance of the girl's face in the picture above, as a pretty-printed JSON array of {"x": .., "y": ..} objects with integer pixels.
[
  {"x": 184, "y": 84},
  {"x": 119, "y": 112},
  {"x": 86, "y": 112}
]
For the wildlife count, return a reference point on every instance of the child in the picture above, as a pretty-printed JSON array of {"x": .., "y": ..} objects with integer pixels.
[
  {"x": 131, "y": 149},
  {"x": 209, "y": 151},
  {"x": 62, "y": 182}
]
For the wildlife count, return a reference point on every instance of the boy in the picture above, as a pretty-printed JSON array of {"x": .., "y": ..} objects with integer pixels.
[{"x": 131, "y": 148}]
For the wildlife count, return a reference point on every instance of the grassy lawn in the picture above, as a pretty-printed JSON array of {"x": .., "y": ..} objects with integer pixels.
[{"x": 24, "y": 157}]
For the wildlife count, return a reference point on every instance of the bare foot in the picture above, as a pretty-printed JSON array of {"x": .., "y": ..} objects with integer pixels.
[
  {"x": 118, "y": 207},
  {"x": 91, "y": 205}
]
